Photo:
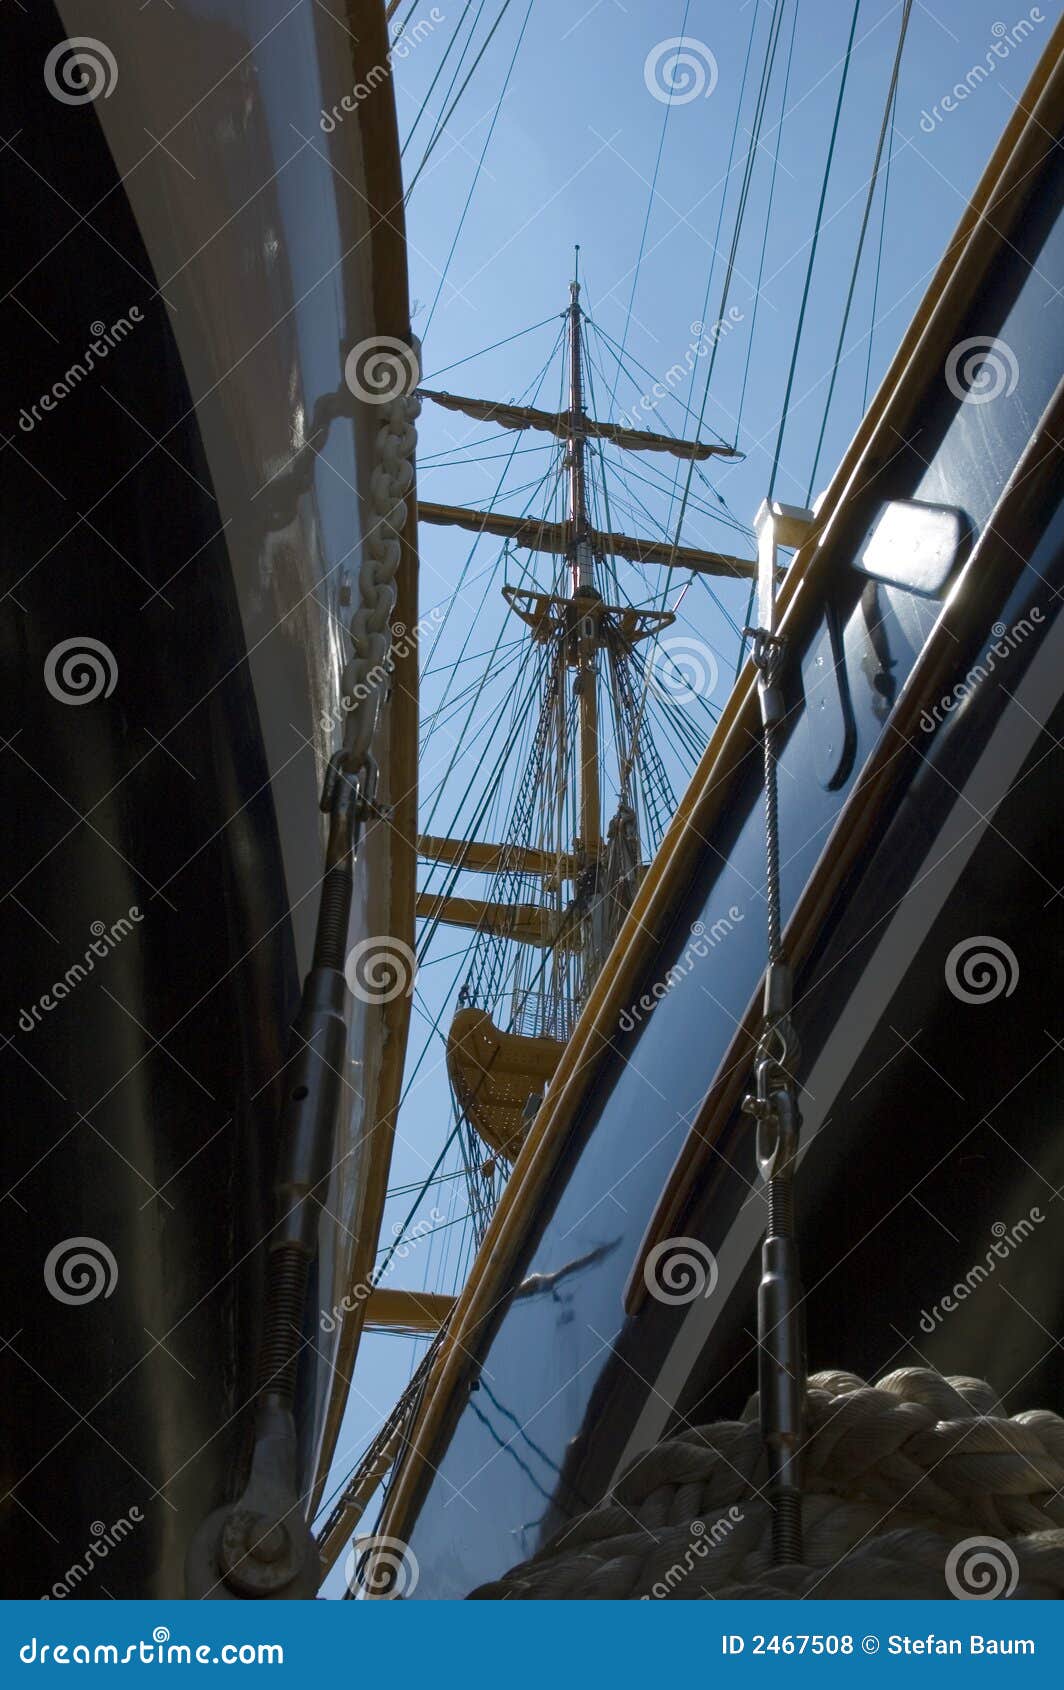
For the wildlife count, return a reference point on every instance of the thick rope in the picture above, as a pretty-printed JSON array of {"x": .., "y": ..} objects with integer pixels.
[
  {"x": 391, "y": 485},
  {"x": 919, "y": 1486}
]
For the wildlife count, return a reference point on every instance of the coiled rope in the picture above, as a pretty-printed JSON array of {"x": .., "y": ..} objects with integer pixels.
[{"x": 919, "y": 1486}]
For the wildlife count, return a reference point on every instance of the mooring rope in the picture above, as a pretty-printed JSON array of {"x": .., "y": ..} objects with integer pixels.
[{"x": 918, "y": 1486}]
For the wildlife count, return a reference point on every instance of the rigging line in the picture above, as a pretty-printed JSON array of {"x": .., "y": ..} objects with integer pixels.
[
  {"x": 415, "y": 1185},
  {"x": 451, "y": 880},
  {"x": 525, "y": 571},
  {"x": 493, "y": 723},
  {"x": 423, "y": 108},
  {"x": 430, "y": 1232},
  {"x": 458, "y": 701},
  {"x": 533, "y": 390},
  {"x": 427, "y": 381},
  {"x": 444, "y": 121},
  {"x": 448, "y": 459},
  {"x": 879, "y": 254},
  {"x": 630, "y": 357},
  {"x": 461, "y": 60},
  {"x": 473, "y": 657},
  {"x": 649, "y": 468},
  {"x": 775, "y": 27},
  {"x": 650, "y": 203},
  {"x": 752, "y": 593},
  {"x": 378, "y": 1274},
  {"x": 768, "y": 220},
  {"x": 813, "y": 248},
  {"x": 480, "y": 165},
  {"x": 766, "y": 73},
  {"x": 907, "y": 7}
]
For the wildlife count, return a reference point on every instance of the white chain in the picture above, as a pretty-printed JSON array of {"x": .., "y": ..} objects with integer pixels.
[{"x": 391, "y": 484}]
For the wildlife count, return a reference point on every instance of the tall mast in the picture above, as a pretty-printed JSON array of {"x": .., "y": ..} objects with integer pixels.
[{"x": 581, "y": 572}]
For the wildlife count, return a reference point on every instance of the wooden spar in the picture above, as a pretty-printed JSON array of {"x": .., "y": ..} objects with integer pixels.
[
  {"x": 560, "y": 424},
  {"x": 540, "y": 536},
  {"x": 483, "y": 858}
]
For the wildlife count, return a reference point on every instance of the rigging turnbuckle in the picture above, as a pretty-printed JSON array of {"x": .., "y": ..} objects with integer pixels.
[
  {"x": 262, "y": 1546},
  {"x": 773, "y": 1104}
]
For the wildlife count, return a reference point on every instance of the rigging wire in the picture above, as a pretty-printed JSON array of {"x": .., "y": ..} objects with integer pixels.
[
  {"x": 813, "y": 249},
  {"x": 480, "y": 163},
  {"x": 441, "y": 127},
  {"x": 494, "y": 347},
  {"x": 650, "y": 202},
  {"x": 775, "y": 25},
  {"x": 907, "y": 7},
  {"x": 423, "y": 108}
]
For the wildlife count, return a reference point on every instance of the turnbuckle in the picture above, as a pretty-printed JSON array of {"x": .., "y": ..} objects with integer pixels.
[{"x": 781, "y": 1343}]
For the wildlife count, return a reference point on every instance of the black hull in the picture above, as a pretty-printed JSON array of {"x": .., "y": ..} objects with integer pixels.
[{"x": 141, "y": 1093}]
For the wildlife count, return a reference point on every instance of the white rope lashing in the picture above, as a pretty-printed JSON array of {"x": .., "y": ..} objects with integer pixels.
[{"x": 919, "y": 1486}]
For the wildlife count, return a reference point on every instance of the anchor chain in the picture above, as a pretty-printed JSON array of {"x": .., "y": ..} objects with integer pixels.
[{"x": 773, "y": 1104}]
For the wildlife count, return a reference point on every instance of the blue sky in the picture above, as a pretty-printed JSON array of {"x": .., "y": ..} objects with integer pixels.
[{"x": 572, "y": 156}]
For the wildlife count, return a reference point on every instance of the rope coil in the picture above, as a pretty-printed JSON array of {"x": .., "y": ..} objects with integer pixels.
[{"x": 918, "y": 1486}]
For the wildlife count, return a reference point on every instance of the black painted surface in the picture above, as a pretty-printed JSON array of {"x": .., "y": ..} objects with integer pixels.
[{"x": 139, "y": 1110}]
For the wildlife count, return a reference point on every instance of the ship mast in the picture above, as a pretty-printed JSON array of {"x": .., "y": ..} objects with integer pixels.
[
  {"x": 561, "y": 885},
  {"x": 583, "y": 593}
]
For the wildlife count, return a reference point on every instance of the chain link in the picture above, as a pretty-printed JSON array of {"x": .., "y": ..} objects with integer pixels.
[{"x": 366, "y": 672}]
